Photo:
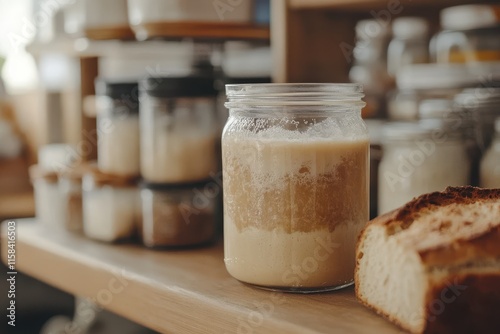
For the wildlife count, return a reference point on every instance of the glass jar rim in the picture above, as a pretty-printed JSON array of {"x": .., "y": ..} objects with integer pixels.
[{"x": 295, "y": 94}]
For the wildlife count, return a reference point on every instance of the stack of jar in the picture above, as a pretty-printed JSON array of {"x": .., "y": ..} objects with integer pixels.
[
  {"x": 110, "y": 196},
  {"x": 57, "y": 187},
  {"x": 370, "y": 67},
  {"x": 179, "y": 161}
]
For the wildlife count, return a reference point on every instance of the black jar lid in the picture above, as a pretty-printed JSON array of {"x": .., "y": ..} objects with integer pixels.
[
  {"x": 174, "y": 186},
  {"x": 196, "y": 85},
  {"x": 117, "y": 90}
]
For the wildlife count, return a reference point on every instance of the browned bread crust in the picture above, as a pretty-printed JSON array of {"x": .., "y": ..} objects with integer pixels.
[
  {"x": 463, "y": 298},
  {"x": 483, "y": 241}
]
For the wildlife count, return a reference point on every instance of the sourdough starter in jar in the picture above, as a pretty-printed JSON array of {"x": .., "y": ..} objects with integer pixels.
[{"x": 295, "y": 196}]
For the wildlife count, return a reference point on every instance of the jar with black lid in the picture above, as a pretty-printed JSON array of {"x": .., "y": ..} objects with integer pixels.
[
  {"x": 118, "y": 128},
  {"x": 178, "y": 215},
  {"x": 179, "y": 130}
]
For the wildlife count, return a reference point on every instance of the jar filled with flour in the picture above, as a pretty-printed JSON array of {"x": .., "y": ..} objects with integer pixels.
[
  {"x": 118, "y": 128},
  {"x": 419, "y": 158},
  {"x": 179, "y": 132},
  {"x": 179, "y": 215},
  {"x": 111, "y": 207},
  {"x": 295, "y": 169}
]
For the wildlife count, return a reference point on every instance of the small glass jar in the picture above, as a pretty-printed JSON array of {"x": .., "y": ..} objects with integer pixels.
[
  {"x": 48, "y": 200},
  {"x": 70, "y": 187},
  {"x": 295, "y": 170},
  {"x": 370, "y": 65},
  {"x": 179, "y": 132},
  {"x": 110, "y": 207},
  {"x": 490, "y": 164},
  {"x": 419, "y": 158},
  {"x": 118, "y": 139},
  {"x": 178, "y": 216},
  {"x": 409, "y": 44},
  {"x": 470, "y": 34},
  {"x": 481, "y": 107}
]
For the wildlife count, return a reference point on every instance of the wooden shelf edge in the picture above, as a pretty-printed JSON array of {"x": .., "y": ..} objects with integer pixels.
[
  {"x": 368, "y": 5},
  {"x": 179, "y": 291}
]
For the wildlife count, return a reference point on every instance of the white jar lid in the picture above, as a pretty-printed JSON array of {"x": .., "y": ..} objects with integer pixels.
[
  {"x": 481, "y": 98},
  {"x": 446, "y": 76},
  {"x": 372, "y": 29},
  {"x": 55, "y": 157},
  {"x": 435, "y": 108},
  {"x": 410, "y": 27},
  {"x": 410, "y": 131},
  {"x": 404, "y": 131},
  {"x": 470, "y": 17}
]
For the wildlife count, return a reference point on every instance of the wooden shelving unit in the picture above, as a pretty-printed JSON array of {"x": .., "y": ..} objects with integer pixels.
[
  {"x": 308, "y": 36},
  {"x": 180, "y": 291}
]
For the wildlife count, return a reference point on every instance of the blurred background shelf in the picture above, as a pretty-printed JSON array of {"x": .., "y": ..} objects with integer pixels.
[
  {"x": 207, "y": 31},
  {"x": 313, "y": 40},
  {"x": 180, "y": 291},
  {"x": 372, "y": 4}
]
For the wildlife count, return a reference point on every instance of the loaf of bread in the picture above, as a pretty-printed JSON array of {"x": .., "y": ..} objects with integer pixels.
[{"x": 433, "y": 265}]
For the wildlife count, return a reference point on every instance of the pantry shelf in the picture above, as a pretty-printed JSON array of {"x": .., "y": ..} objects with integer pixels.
[
  {"x": 185, "y": 291},
  {"x": 371, "y": 4}
]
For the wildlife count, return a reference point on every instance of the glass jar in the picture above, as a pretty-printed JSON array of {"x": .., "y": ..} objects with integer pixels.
[
  {"x": 97, "y": 19},
  {"x": 482, "y": 107},
  {"x": 118, "y": 138},
  {"x": 370, "y": 65},
  {"x": 483, "y": 104},
  {"x": 409, "y": 44},
  {"x": 295, "y": 170},
  {"x": 48, "y": 201},
  {"x": 419, "y": 82},
  {"x": 178, "y": 216},
  {"x": 375, "y": 132},
  {"x": 70, "y": 187},
  {"x": 179, "y": 130},
  {"x": 419, "y": 158},
  {"x": 470, "y": 34},
  {"x": 110, "y": 206},
  {"x": 490, "y": 164},
  {"x": 163, "y": 17}
]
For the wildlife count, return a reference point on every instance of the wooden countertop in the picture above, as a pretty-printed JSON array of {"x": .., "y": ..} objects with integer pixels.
[{"x": 186, "y": 291}]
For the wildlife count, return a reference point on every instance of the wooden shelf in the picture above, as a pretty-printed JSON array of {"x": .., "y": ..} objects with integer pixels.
[
  {"x": 17, "y": 205},
  {"x": 204, "y": 31},
  {"x": 372, "y": 4},
  {"x": 186, "y": 291}
]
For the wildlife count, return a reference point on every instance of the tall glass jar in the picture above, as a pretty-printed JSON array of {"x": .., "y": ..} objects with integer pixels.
[
  {"x": 419, "y": 158},
  {"x": 490, "y": 164},
  {"x": 179, "y": 131},
  {"x": 295, "y": 171},
  {"x": 118, "y": 128},
  {"x": 409, "y": 44}
]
